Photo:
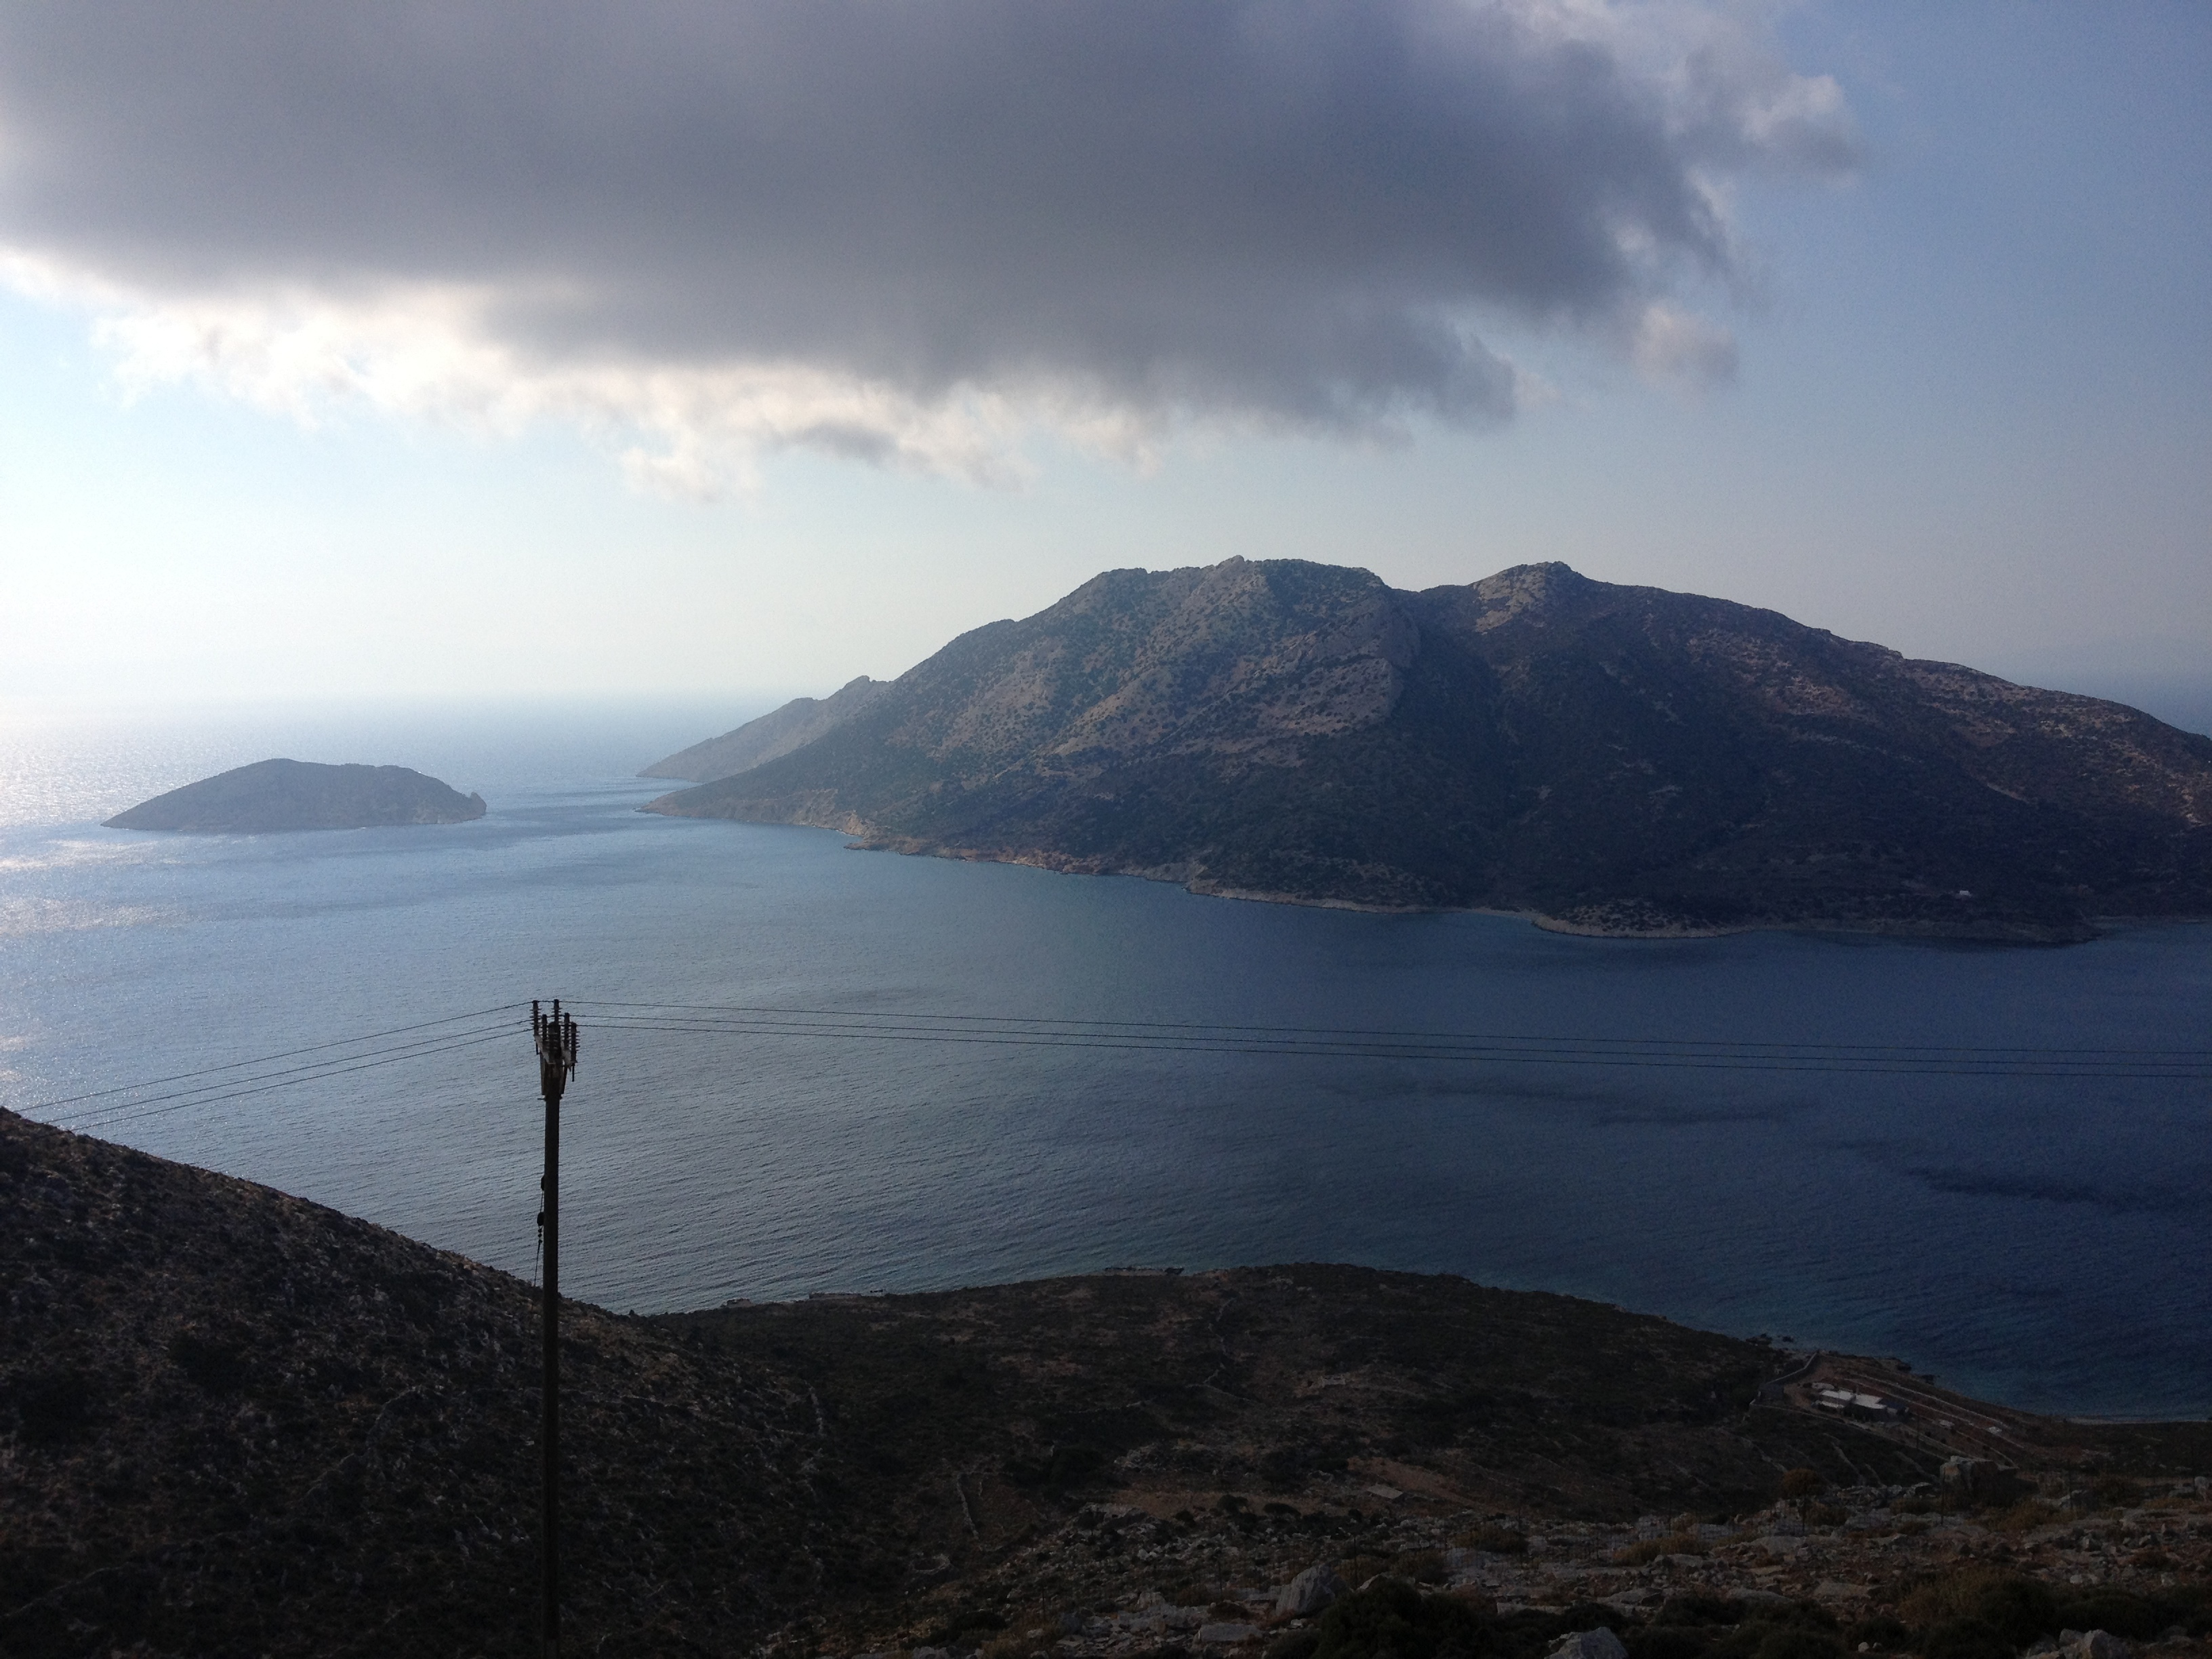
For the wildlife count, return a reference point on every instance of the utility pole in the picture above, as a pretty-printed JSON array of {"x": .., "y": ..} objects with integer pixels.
[{"x": 556, "y": 1062}]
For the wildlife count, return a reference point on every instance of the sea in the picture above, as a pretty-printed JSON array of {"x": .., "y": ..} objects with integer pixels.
[{"x": 2037, "y": 1240}]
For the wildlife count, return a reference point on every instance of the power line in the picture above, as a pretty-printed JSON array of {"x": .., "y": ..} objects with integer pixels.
[
  {"x": 241, "y": 1079},
  {"x": 1368, "y": 1033},
  {"x": 264, "y": 1060},
  {"x": 212, "y": 1094},
  {"x": 1293, "y": 1041},
  {"x": 1670, "y": 1062},
  {"x": 129, "y": 1115}
]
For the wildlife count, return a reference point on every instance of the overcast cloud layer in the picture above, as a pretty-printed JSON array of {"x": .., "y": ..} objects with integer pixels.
[{"x": 905, "y": 230}]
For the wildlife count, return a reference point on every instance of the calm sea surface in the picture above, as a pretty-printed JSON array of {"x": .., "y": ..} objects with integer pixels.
[{"x": 2042, "y": 1242}]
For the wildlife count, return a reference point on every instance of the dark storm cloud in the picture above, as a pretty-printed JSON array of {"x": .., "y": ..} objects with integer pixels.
[{"x": 1291, "y": 209}]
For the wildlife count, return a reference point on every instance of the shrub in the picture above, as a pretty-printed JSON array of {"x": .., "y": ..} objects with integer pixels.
[
  {"x": 1698, "y": 1610},
  {"x": 1499, "y": 1540},
  {"x": 1883, "y": 1632},
  {"x": 2016, "y": 1610},
  {"x": 2134, "y": 1615},
  {"x": 2025, "y": 1517},
  {"x": 1804, "y": 1630},
  {"x": 1072, "y": 1466},
  {"x": 968, "y": 1621},
  {"x": 1651, "y": 1549},
  {"x": 1668, "y": 1642},
  {"x": 1424, "y": 1567},
  {"x": 1395, "y": 1618},
  {"x": 1802, "y": 1483},
  {"x": 1795, "y": 1642},
  {"x": 53, "y": 1407},
  {"x": 1357, "y": 1570},
  {"x": 217, "y": 1367},
  {"x": 1963, "y": 1638}
]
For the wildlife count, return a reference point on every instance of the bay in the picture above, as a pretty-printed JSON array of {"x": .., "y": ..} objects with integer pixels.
[{"x": 2034, "y": 1240}]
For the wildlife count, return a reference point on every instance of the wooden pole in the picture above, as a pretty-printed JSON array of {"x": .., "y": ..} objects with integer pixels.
[{"x": 556, "y": 1061}]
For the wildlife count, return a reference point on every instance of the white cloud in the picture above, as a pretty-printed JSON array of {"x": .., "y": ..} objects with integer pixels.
[{"x": 1677, "y": 347}]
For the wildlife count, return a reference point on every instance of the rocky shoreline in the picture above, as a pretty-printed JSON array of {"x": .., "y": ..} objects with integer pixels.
[{"x": 1627, "y": 920}]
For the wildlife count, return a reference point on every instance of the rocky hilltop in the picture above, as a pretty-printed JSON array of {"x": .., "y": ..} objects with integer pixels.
[
  {"x": 1613, "y": 759},
  {"x": 795, "y": 725},
  {"x": 275, "y": 795},
  {"x": 232, "y": 1422}
]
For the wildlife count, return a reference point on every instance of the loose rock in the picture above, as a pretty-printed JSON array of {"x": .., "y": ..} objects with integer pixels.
[
  {"x": 1599, "y": 1643},
  {"x": 1309, "y": 1593}
]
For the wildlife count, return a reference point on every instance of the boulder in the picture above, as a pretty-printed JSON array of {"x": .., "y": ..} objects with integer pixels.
[
  {"x": 1309, "y": 1593},
  {"x": 1599, "y": 1643},
  {"x": 1980, "y": 1482},
  {"x": 2092, "y": 1644}
]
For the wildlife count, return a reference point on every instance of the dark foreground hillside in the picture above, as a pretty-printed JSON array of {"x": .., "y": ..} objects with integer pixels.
[
  {"x": 234, "y": 1422},
  {"x": 242, "y": 1424}
]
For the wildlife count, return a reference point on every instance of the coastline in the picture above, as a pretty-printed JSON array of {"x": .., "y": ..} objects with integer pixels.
[{"x": 1593, "y": 922}]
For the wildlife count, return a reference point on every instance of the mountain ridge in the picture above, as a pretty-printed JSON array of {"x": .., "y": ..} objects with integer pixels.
[
  {"x": 774, "y": 734},
  {"x": 1608, "y": 758}
]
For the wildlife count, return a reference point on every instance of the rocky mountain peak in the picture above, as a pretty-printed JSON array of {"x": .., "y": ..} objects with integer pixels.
[{"x": 1526, "y": 590}]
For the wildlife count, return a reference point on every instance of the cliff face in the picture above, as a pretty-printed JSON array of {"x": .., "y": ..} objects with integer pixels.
[
  {"x": 1623, "y": 759},
  {"x": 278, "y": 795}
]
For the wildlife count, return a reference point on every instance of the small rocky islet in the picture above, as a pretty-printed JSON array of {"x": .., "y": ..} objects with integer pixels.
[{"x": 274, "y": 797}]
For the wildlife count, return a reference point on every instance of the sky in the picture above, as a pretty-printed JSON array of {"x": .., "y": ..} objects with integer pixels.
[{"x": 731, "y": 349}]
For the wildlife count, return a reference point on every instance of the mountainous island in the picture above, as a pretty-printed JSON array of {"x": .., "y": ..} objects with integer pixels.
[
  {"x": 235, "y": 1423},
  {"x": 278, "y": 795},
  {"x": 1608, "y": 758}
]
